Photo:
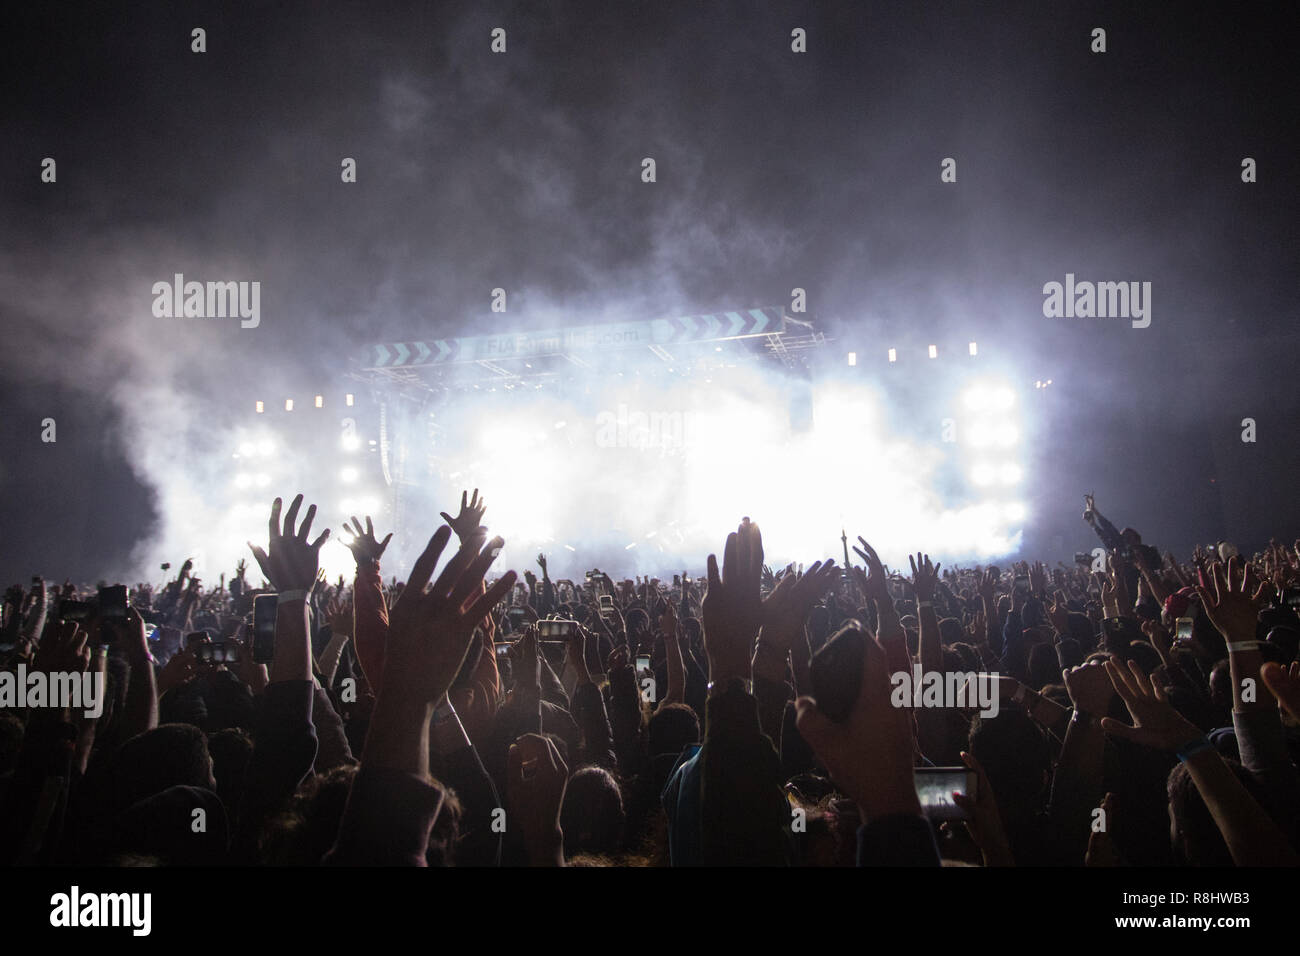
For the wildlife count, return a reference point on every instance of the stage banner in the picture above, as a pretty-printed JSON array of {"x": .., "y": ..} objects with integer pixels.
[{"x": 711, "y": 327}]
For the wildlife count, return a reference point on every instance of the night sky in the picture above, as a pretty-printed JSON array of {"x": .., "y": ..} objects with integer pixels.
[{"x": 775, "y": 170}]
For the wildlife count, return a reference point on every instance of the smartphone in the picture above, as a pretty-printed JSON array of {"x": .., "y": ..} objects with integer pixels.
[
  {"x": 836, "y": 671},
  {"x": 503, "y": 650},
  {"x": 606, "y": 603},
  {"x": 554, "y": 652},
  {"x": 112, "y": 604},
  {"x": 555, "y": 629},
  {"x": 1184, "y": 629},
  {"x": 221, "y": 652},
  {"x": 151, "y": 632},
  {"x": 517, "y": 616},
  {"x": 264, "y": 606},
  {"x": 935, "y": 786},
  {"x": 642, "y": 663},
  {"x": 1022, "y": 583},
  {"x": 74, "y": 610}
]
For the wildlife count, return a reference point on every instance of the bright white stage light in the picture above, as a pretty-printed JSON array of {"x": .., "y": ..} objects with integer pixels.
[
  {"x": 853, "y": 358},
  {"x": 264, "y": 447},
  {"x": 348, "y": 399},
  {"x": 1010, "y": 474},
  {"x": 979, "y": 436},
  {"x": 1015, "y": 511},
  {"x": 973, "y": 349},
  {"x": 1002, "y": 399},
  {"x": 348, "y": 474},
  {"x": 246, "y": 449},
  {"x": 320, "y": 401},
  {"x": 934, "y": 351},
  {"x": 263, "y": 480},
  {"x": 351, "y": 442},
  {"x": 893, "y": 355},
  {"x": 243, "y": 480},
  {"x": 982, "y": 474},
  {"x": 288, "y": 404},
  {"x": 1007, "y": 435}
]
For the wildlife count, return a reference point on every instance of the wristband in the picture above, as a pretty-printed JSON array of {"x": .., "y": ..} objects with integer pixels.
[
  {"x": 1189, "y": 750},
  {"x": 1243, "y": 646},
  {"x": 298, "y": 595},
  {"x": 921, "y": 604}
]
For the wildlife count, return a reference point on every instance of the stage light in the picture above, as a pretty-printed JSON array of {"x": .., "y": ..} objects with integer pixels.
[
  {"x": 320, "y": 401},
  {"x": 976, "y": 398},
  {"x": 260, "y": 408},
  {"x": 934, "y": 351},
  {"x": 853, "y": 358},
  {"x": 243, "y": 480},
  {"x": 559, "y": 425},
  {"x": 1007, "y": 436},
  {"x": 351, "y": 442},
  {"x": 264, "y": 447},
  {"x": 1002, "y": 398},
  {"x": 1010, "y": 474},
  {"x": 348, "y": 399},
  {"x": 288, "y": 404},
  {"x": 1038, "y": 385},
  {"x": 246, "y": 449},
  {"x": 1015, "y": 511},
  {"x": 982, "y": 474},
  {"x": 973, "y": 349},
  {"x": 979, "y": 436},
  {"x": 893, "y": 355},
  {"x": 570, "y": 547},
  {"x": 348, "y": 474},
  {"x": 346, "y": 506},
  {"x": 369, "y": 505},
  {"x": 263, "y": 480}
]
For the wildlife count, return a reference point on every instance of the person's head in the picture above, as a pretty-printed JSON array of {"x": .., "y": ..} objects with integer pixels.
[
  {"x": 1195, "y": 837},
  {"x": 672, "y": 728},
  {"x": 231, "y": 751},
  {"x": 1147, "y": 657},
  {"x": 950, "y": 631},
  {"x": 1130, "y": 537},
  {"x": 1043, "y": 666},
  {"x": 1014, "y": 753},
  {"x": 638, "y": 621},
  {"x": 592, "y": 815},
  {"x": 170, "y": 755}
]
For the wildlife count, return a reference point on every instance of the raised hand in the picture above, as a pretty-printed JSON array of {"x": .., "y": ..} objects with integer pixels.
[
  {"x": 876, "y": 584},
  {"x": 1284, "y": 682},
  {"x": 869, "y": 756},
  {"x": 1155, "y": 722},
  {"x": 786, "y": 609},
  {"x": 733, "y": 607},
  {"x": 430, "y": 631},
  {"x": 925, "y": 576},
  {"x": 1090, "y": 688},
  {"x": 1226, "y": 601},
  {"x": 470, "y": 519},
  {"x": 536, "y": 778},
  {"x": 289, "y": 562},
  {"x": 361, "y": 542}
]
